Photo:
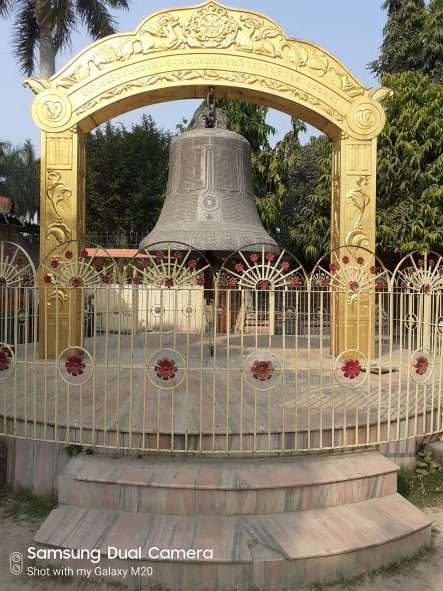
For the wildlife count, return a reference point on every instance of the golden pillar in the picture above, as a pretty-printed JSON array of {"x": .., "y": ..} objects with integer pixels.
[
  {"x": 353, "y": 240},
  {"x": 62, "y": 227}
]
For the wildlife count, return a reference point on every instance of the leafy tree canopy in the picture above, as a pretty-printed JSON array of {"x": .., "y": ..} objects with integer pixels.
[
  {"x": 410, "y": 165},
  {"x": 306, "y": 215},
  {"x": 126, "y": 177},
  {"x": 19, "y": 177},
  {"x": 402, "y": 48},
  {"x": 433, "y": 41}
]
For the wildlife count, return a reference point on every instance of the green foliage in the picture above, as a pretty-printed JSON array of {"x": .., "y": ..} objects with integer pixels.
[
  {"x": 306, "y": 217},
  {"x": 410, "y": 166},
  {"x": 249, "y": 120},
  {"x": 24, "y": 504},
  {"x": 402, "y": 44},
  {"x": 126, "y": 177},
  {"x": 425, "y": 464},
  {"x": 404, "y": 483},
  {"x": 272, "y": 168},
  {"x": 426, "y": 490},
  {"x": 413, "y": 39},
  {"x": 433, "y": 41},
  {"x": 423, "y": 487},
  {"x": 19, "y": 177}
]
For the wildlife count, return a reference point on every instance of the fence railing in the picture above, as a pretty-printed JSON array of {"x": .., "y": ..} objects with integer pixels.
[{"x": 165, "y": 353}]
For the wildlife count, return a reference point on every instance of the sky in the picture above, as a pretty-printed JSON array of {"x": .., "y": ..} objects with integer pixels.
[{"x": 350, "y": 29}]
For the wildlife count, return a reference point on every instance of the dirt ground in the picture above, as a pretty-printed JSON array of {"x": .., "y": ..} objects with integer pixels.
[{"x": 422, "y": 574}]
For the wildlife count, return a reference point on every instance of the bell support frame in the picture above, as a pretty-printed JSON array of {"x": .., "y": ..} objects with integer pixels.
[{"x": 179, "y": 53}]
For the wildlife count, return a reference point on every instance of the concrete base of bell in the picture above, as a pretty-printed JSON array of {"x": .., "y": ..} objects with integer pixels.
[{"x": 271, "y": 523}]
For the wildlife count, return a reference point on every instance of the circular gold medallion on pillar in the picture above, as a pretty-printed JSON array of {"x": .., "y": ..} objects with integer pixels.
[
  {"x": 51, "y": 111},
  {"x": 366, "y": 118}
]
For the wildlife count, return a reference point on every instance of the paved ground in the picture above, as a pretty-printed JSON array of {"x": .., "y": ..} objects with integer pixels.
[{"x": 422, "y": 574}]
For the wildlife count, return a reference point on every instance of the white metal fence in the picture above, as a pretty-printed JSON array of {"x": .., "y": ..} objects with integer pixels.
[{"x": 164, "y": 352}]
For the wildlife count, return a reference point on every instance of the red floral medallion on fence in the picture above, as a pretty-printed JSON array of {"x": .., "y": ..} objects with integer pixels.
[
  {"x": 75, "y": 365},
  {"x": 264, "y": 284},
  {"x": 239, "y": 268},
  {"x": 421, "y": 365},
  {"x": 5, "y": 359},
  {"x": 165, "y": 369},
  {"x": 262, "y": 370},
  {"x": 76, "y": 282},
  {"x": 192, "y": 264},
  {"x": 325, "y": 282},
  {"x": 351, "y": 369}
]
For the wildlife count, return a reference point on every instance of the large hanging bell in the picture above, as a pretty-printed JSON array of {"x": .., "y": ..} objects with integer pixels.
[{"x": 209, "y": 204}]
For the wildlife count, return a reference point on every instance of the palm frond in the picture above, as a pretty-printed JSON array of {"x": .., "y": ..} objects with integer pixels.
[
  {"x": 64, "y": 22},
  {"x": 26, "y": 36},
  {"x": 96, "y": 17},
  {"x": 124, "y": 4},
  {"x": 5, "y": 7}
]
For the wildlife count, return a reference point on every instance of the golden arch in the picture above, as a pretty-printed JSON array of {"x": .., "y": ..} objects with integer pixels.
[{"x": 177, "y": 54}]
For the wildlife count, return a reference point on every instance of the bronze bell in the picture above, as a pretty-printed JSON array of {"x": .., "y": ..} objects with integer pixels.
[{"x": 209, "y": 202}]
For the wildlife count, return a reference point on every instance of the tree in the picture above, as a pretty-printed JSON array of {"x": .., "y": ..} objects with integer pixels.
[
  {"x": 249, "y": 120},
  {"x": 272, "y": 169},
  {"x": 19, "y": 177},
  {"x": 409, "y": 182},
  {"x": 306, "y": 216},
  {"x": 410, "y": 166},
  {"x": 433, "y": 41},
  {"x": 46, "y": 26},
  {"x": 402, "y": 48},
  {"x": 126, "y": 177}
]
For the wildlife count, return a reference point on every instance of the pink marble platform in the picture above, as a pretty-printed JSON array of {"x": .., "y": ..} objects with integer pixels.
[
  {"x": 225, "y": 486},
  {"x": 272, "y": 523}
]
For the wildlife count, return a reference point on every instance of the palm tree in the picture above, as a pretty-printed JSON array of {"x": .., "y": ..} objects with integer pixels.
[
  {"x": 44, "y": 27},
  {"x": 19, "y": 177}
]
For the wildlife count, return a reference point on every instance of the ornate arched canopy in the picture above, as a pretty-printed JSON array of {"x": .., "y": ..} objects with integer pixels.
[{"x": 178, "y": 54}]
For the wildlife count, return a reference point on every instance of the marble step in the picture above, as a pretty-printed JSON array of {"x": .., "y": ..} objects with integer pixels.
[
  {"x": 270, "y": 551},
  {"x": 225, "y": 486}
]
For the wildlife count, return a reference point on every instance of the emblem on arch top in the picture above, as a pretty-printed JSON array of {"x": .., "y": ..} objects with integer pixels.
[{"x": 211, "y": 26}]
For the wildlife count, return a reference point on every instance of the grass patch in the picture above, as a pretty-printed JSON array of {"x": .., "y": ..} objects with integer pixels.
[
  {"x": 424, "y": 487},
  {"x": 23, "y": 504},
  {"x": 425, "y": 490}
]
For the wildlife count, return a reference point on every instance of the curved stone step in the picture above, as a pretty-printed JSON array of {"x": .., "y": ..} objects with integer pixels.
[
  {"x": 226, "y": 486},
  {"x": 282, "y": 550}
]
